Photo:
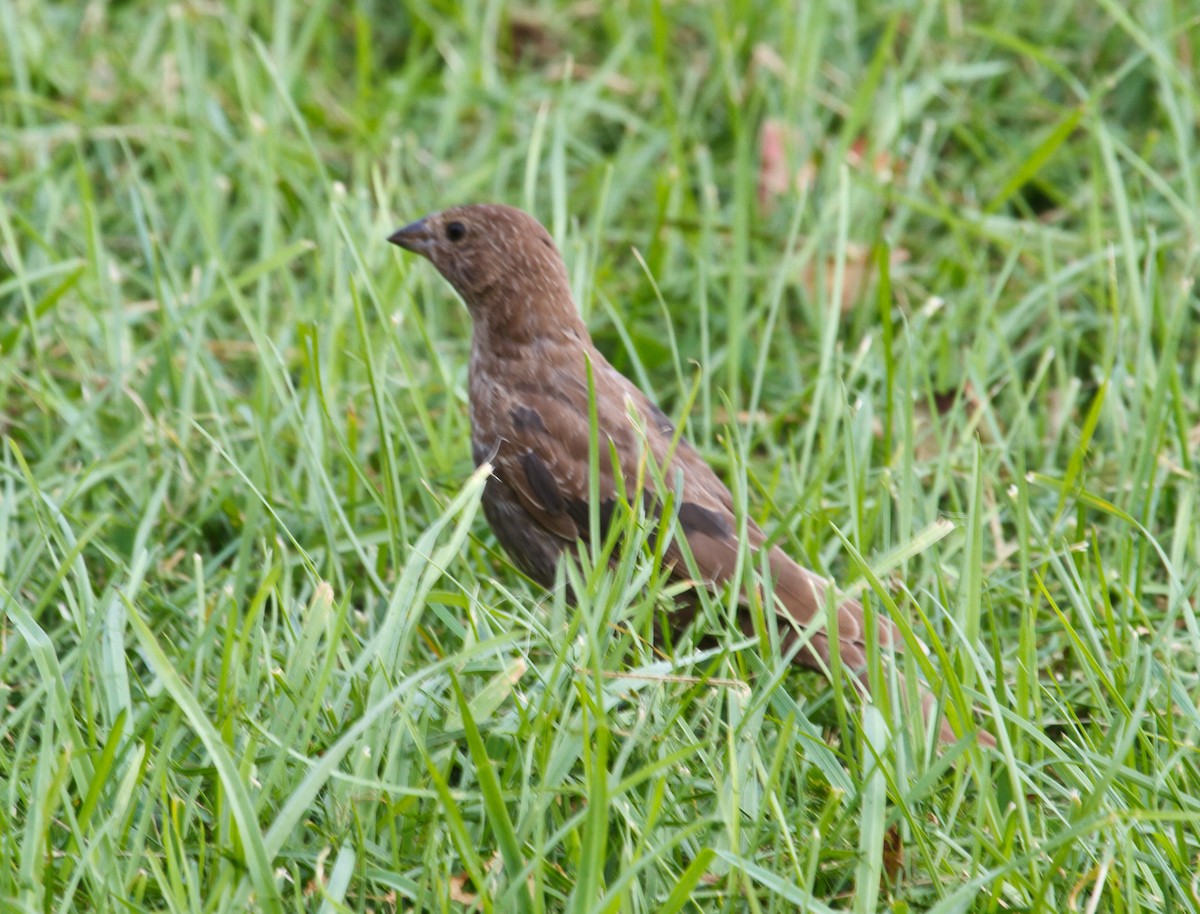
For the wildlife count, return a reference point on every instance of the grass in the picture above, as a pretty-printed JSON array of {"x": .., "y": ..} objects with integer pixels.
[{"x": 258, "y": 649}]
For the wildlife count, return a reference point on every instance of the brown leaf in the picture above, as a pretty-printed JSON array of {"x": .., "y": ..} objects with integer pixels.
[
  {"x": 461, "y": 889},
  {"x": 893, "y": 854},
  {"x": 774, "y": 169},
  {"x": 883, "y": 165},
  {"x": 778, "y": 143},
  {"x": 531, "y": 39}
]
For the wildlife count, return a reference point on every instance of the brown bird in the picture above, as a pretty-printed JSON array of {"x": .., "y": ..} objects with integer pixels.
[{"x": 530, "y": 418}]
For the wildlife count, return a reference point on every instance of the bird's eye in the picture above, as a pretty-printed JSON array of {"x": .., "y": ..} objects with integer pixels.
[{"x": 455, "y": 231}]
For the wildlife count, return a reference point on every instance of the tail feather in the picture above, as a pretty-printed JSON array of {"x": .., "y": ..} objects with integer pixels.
[{"x": 802, "y": 594}]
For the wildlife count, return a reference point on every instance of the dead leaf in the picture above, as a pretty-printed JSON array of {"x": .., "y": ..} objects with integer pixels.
[
  {"x": 778, "y": 148},
  {"x": 883, "y": 165},
  {"x": 774, "y": 169},
  {"x": 893, "y": 854},
  {"x": 460, "y": 890}
]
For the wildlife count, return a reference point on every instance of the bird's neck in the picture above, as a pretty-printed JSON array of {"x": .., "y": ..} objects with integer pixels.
[
  {"x": 519, "y": 319},
  {"x": 545, "y": 345}
]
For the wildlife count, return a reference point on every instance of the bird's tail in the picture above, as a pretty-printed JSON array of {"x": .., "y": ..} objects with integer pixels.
[{"x": 800, "y": 594}]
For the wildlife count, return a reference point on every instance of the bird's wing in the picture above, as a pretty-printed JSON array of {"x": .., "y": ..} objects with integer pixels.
[{"x": 538, "y": 436}]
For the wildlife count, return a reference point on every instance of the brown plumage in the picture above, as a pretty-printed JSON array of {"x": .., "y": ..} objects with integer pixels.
[{"x": 529, "y": 418}]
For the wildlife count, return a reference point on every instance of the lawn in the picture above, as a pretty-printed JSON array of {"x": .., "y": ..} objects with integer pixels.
[{"x": 918, "y": 277}]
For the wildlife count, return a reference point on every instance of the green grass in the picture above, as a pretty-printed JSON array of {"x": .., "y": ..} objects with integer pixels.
[{"x": 258, "y": 649}]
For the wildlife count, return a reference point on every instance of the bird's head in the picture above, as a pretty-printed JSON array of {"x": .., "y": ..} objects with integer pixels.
[{"x": 501, "y": 261}]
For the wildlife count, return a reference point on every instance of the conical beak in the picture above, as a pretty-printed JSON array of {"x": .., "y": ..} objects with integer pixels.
[{"x": 415, "y": 237}]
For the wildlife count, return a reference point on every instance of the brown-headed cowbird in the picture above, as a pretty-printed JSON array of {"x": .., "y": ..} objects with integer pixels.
[{"x": 529, "y": 402}]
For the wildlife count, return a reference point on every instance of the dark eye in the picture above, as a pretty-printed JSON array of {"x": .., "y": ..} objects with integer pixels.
[{"x": 455, "y": 231}]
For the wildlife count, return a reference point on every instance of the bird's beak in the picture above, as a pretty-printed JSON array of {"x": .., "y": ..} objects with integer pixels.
[{"x": 415, "y": 237}]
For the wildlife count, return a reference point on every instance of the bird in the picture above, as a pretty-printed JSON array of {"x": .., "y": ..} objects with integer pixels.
[{"x": 529, "y": 401}]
